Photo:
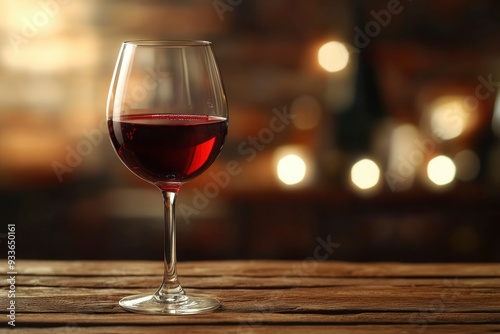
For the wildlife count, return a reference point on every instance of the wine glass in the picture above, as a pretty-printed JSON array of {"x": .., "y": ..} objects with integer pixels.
[{"x": 167, "y": 118}]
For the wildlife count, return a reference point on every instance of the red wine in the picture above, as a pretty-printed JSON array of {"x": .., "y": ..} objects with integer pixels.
[{"x": 168, "y": 149}]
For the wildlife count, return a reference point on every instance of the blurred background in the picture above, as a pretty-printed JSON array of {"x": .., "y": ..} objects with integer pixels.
[{"x": 359, "y": 130}]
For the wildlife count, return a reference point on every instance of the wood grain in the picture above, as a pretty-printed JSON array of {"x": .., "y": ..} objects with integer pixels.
[
  {"x": 305, "y": 268},
  {"x": 300, "y": 329},
  {"x": 262, "y": 297}
]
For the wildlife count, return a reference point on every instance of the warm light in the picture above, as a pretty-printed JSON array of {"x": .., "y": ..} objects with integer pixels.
[
  {"x": 449, "y": 117},
  {"x": 468, "y": 165},
  {"x": 333, "y": 56},
  {"x": 30, "y": 148},
  {"x": 293, "y": 165},
  {"x": 441, "y": 170},
  {"x": 291, "y": 169},
  {"x": 365, "y": 174},
  {"x": 23, "y": 20},
  {"x": 53, "y": 54},
  {"x": 408, "y": 151}
]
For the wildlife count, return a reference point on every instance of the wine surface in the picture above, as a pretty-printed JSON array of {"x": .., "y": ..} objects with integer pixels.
[{"x": 168, "y": 148}]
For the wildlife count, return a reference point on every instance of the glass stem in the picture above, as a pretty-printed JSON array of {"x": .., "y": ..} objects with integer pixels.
[{"x": 170, "y": 289}]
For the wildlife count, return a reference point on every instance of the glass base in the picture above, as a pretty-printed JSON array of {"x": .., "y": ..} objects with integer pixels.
[{"x": 177, "y": 304}]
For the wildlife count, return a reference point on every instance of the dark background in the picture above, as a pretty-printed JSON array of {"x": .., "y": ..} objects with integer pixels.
[{"x": 56, "y": 63}]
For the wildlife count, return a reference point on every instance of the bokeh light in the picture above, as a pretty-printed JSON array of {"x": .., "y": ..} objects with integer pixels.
[
  {"x": 449, "y": 117},
  {"x": 291, "y": 169},
  {"x": 333, "y": 56},
  {"x": 407, "y": 153},
  {"x": 365, "y": 174},
  {"x": 441, "y": 170}
]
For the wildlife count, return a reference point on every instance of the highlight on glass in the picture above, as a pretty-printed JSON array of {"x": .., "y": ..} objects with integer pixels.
[{"x": 168, "y": 118}]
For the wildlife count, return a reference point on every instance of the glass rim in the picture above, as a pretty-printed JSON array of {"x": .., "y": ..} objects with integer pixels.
[{"x": 168, "y": 43}]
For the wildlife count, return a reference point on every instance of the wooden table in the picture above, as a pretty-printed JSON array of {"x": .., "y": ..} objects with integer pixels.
[{"x": 259, "y": 297}]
